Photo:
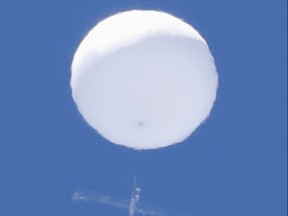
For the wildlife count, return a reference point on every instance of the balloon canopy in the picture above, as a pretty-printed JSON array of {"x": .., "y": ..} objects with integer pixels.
[{"x": 144, "y": 79}]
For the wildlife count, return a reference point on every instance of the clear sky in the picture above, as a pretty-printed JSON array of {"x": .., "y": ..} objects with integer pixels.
[{"x": 234, "y": 164}]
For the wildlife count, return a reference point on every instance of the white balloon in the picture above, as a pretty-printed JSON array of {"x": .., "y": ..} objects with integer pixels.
[{"x": 144, "y": 79}]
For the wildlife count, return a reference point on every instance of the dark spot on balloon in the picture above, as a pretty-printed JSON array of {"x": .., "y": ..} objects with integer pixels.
[{"x": 140, "y": 124}]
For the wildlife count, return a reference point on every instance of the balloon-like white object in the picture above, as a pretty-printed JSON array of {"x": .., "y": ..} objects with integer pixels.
[{"x": 144, "y": 79}]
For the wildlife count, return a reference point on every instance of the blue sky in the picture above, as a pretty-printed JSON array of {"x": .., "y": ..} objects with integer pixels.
[{"x": 234, "y": 164}]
